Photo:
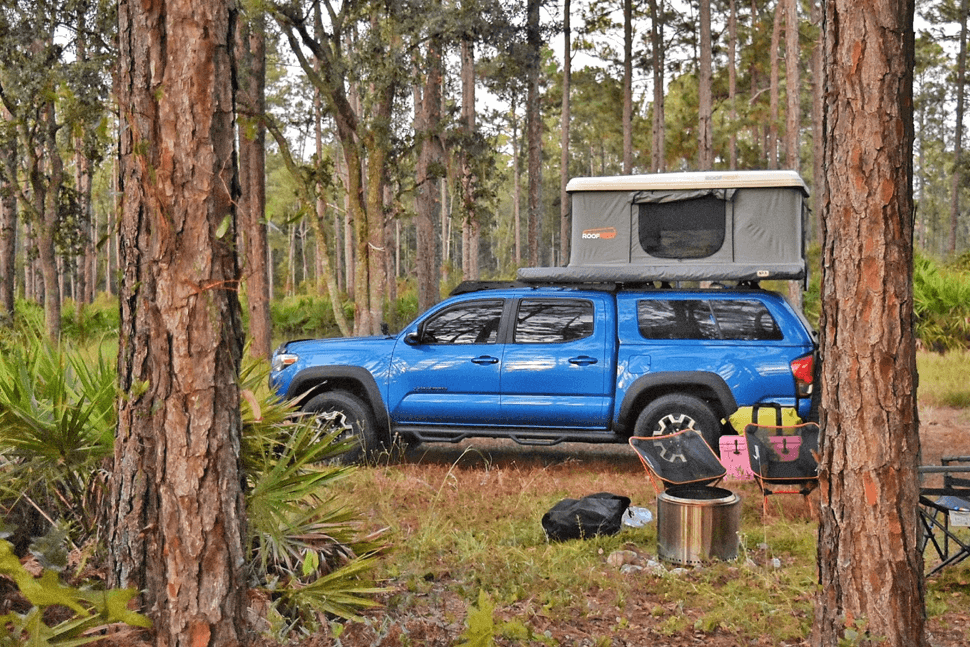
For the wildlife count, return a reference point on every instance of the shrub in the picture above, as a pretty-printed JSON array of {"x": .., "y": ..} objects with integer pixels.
[{"x": 942, "y": 305}]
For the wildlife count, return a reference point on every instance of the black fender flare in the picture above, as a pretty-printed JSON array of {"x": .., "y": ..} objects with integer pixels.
[
  {"x": 673, "y": 381},
  {"x": 307, "y": 381}
]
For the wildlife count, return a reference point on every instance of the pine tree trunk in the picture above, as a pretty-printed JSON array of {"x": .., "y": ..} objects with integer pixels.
[
  {"x": 773, "y": 91},
  {"x": 733, "y": 84},
  {"x": 658, "y": 153},
  {"x": 251, "y": 61},
  {"x": 705, "y": 145},
  {"x": 46, "y": 190},
  {"x": 870, "y": 569},
  {"x": 8, "y": 224},
  {"x": 564, "y": 228},
  {"x": 793, "y": 86},
  {"x": 627, "y": 86},
  {"x": 818, "y": 77},
  {"x": 533, "y": 120},
  {"x": 177, "y": 522},
  {"x": 427, "y": 118},
  {"x": 961, "y": 88}
]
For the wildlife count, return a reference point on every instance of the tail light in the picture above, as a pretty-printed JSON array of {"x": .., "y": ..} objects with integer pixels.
[{"x": 803, "y": 369}]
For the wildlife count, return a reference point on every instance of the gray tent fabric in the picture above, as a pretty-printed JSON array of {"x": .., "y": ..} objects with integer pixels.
[{"x": 741, "y": 226}]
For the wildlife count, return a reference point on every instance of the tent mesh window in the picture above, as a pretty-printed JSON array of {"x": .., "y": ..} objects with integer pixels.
[{"x": 682, "y": 229}]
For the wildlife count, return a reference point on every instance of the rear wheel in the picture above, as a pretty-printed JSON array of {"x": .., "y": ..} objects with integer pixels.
[
  {"x": 675, "y": 412},
  {"x": 344, "y": 411}
]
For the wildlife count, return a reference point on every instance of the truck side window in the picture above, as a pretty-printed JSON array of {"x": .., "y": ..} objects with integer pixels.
[
  {"x": 474, "y": 322},
  {"x": 736, "y": 320},
  {"x": 552, "y": 321},
  {"x": 676, "y": 319},
  {"x": 746, "y": 320}
]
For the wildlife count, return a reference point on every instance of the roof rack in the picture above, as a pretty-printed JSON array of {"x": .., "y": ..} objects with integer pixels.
[{"x": 468, "y": 287}]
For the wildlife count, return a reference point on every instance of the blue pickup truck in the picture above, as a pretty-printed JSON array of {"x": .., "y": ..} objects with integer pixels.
[{"x": 543, "y": 364}]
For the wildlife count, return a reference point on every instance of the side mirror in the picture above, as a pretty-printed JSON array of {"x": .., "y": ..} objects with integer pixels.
[{"x": 412, "y": 339}]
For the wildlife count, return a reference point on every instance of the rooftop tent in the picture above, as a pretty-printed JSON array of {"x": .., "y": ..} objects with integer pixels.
[{"x": 702, "y": 226}]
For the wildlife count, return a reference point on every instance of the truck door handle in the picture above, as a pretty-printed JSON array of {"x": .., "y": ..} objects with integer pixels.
[
  {"x": 485, "y": 359},
  {"x": 582, "y": 360}
]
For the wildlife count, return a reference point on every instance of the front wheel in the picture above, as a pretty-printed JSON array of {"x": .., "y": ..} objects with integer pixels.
[
  {"x": 675, "y": 412},
  {"x": 344, "y": 411}
]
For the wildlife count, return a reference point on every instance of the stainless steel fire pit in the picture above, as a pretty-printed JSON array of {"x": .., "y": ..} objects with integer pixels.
[{"x": 696, "y": 524}]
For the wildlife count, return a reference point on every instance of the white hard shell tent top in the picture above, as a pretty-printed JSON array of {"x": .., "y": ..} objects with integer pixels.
[{"x": 695, "y": 226}]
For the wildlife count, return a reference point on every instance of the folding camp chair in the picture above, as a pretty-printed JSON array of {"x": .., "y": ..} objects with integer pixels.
[
  {"x": 944, "y": 510},
  {"x": 682, "y": 458},
  {"x": 783, "y": 458}
]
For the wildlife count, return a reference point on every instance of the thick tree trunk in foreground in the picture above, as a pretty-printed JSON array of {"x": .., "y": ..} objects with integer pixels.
[
  {"x": 178, "y": 514},
  {"x": 870, "y": 570}
]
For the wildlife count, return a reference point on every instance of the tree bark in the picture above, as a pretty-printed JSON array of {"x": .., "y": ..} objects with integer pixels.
[
  {"x": 251, "y": 61},
  {"x": 870, "y": 569},
  {"x": 705, "y": 146},
  {"x": 818, "y": 77},
  {"x": 46, "y": 190},
  {"x": 658, "y": 153},
  {"x": 773, "y": 90},
  {"x": 627, "y": 86},
  {"x": 176, "y": 529},
  {"x": 733, "y": 83},
  {"x": 564, "y": 227},
  {"x": 516, "y": 184},
  {"x": 471, "y": 223},
  {"x": 430, "y": 161},
  {"x": 533, "y": 120},
  {"x": 8, "y": 224},
  {"x": 793, "y": 86},
  {"x": 957, "y": 179}
]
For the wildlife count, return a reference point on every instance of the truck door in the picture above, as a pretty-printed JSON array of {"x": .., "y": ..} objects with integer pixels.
[
  {"x": 556, "y": 370},
  {"x": 448, "y": 372}
]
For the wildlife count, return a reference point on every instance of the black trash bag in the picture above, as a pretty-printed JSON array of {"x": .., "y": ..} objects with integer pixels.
[{"x": 596, "y": 514}]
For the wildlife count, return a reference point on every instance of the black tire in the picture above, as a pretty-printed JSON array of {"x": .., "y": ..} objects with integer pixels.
[
  {"x": 346, "y": 410},
  {"x": 676, "y": 412}
]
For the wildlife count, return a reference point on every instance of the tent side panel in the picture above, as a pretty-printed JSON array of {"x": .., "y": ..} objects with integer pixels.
[
  {"x": 601, "y": 228},
  {"x": 768, "y": 226}
]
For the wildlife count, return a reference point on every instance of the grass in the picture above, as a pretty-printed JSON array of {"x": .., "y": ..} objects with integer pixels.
[
  {"x": 942, "y": 379},
  {"x": 466, "y": 526}
]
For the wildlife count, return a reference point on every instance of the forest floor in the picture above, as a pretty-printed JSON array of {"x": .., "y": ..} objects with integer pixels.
[
  {"x": 440, "y": 621},
  {"x": 437, "y": 615}
]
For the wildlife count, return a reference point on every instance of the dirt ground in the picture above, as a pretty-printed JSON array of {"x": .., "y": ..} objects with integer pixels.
[
  {"x": 438, "y": 622},
  {"x": 438, "y": 619}
]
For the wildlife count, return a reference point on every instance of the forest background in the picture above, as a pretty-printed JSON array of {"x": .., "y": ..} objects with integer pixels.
[
  {"x": 454, "y": 120},
  {"x": 388, "y": 150}
]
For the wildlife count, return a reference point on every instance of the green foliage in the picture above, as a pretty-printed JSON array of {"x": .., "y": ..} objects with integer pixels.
[
  {"x": 91, "y": 608},
  {"x": 57, "y": 419},
  {"x": 942, "y": 305},
  {"x": 480, "y": 631},
  {"x": 307, "y": 550},
  {"x": 87, "y": 323},
  {"x": 306, "y": 316}
]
